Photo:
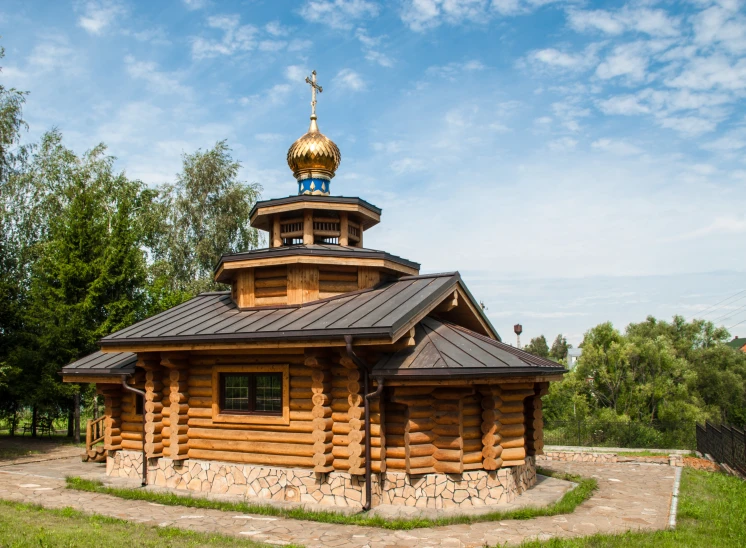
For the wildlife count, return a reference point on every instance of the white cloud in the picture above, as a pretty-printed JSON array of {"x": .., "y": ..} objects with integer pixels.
[
  {"x": 626, "y": 105},
  {"x": 720, "y": 225},
  {"x": 296, "y": 73},
  {"x": 556, "y": 58},
  {"x": 723, "y": 26},
  {"x": 99, "y": 15},
  {"x": 422, "y": 15},
  {"x": 691, "y": 126},
  {"x": 236, "y": 38},
  {"x": 276, "y": 29},
  {"x": 453, "y": 70},
  {"x": 372, "y": 46},
  {"x": 340, "y": 14},
  {"x": 563, "y": 144},
  {"x": 713, "y": 72},
  {"x": 630, "y": 60},
  {"x": 157, "y": 81},
  {"x": 194, "y": 4},
  {"x": 615, "y": 146},
  {"x": 348, "y": 79},
  {"x": 654, "y": 22}
]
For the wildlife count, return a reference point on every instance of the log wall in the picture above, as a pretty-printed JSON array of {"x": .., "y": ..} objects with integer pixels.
[{"x": 417, "y": 429}]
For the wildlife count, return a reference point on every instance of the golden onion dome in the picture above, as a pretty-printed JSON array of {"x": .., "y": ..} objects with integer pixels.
[{"x": 314, "y": 155}]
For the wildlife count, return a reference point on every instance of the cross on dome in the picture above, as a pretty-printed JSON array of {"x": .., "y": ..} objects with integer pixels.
[
  {"x": 314, "y": 88},
  {"x": 314, "y": 158}
]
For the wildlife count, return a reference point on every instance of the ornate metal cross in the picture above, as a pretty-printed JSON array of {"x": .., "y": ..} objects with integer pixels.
[{"x": 314, "y": 87}]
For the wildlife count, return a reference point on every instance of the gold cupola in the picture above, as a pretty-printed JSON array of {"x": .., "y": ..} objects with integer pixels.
[{"x": 314, "y": 158}]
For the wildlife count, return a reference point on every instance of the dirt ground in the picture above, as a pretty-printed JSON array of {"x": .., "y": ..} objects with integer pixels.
[
  {"x": 701, "y": 464},
  {"x": 25, "y": 448}
]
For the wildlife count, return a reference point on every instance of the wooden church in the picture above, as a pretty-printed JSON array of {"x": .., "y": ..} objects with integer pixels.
[{"x": 329, "y": 373}]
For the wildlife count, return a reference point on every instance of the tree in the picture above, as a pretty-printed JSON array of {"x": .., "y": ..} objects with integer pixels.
[
  {"x": 559, "y": 348},
  {"x": 87, "y": 268},
  {"x": 538, "y": 347},
  {"x": 193, "y": 223}
]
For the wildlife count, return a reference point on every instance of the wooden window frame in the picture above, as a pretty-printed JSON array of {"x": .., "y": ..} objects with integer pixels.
[{"x": 250, "y": 417}]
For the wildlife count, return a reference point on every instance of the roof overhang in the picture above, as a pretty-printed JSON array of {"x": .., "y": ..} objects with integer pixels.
[
  {"x": 368, "y": 214},
  {"x": 279, "y": 256}
]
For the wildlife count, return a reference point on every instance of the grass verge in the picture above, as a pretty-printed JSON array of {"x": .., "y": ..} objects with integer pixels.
[
  {"x": 565, "y": 505},
  {"x": 27, "y": 525},
  {"x": 712, "y": 513}
]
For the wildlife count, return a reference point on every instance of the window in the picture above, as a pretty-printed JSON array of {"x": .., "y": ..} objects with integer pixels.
[{"x": 251, "y": 393}]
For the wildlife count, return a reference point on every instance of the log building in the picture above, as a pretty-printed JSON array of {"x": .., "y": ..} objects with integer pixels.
[{"x": 329, "y": 373}]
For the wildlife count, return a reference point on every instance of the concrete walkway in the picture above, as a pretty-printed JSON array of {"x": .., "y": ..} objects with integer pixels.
[{"x": 629, "y": 497}]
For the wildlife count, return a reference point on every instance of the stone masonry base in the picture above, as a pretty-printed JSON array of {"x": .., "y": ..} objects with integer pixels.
[
  {"x": 603, "y": 458},
  {"x": 470, "y": 489}
]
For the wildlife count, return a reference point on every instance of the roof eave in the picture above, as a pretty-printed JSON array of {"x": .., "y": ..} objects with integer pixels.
[{"x": 471, "y": 373}]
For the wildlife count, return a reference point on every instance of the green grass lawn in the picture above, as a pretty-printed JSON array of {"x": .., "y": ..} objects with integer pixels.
[
  {"x": 712, "y": 514},
  {"x": 565, "y": 505},
  {"x": 24, "y": 525}
]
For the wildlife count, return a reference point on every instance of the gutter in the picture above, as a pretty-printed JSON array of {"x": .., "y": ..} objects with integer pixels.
[
  {"x": 363, "y": 367},
  {"x": 144, "y": 455}
]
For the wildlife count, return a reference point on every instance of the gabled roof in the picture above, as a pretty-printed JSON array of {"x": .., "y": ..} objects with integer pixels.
[
  {"x": 99, "y": 363},
  {"x": 317, "y": 250},
  {"x": 738, "y": 343},
  {"x": 448, "y": 350},
  {"x": 382, "y": 312}
]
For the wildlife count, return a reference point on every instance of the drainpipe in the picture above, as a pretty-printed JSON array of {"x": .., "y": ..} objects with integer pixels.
[
  {"x": 363, "y": 368},
  {"x": 144, "y": 455}
]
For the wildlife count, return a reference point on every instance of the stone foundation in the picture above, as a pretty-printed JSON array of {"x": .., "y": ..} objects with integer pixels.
[
  {"x": 470, "y": 489},
  {"x": 602, "y": 458}
]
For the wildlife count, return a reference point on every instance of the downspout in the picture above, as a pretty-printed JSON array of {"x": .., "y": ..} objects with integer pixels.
[
  {"x": 144, "y": 455},
  {"x": 363, "y": 367}
]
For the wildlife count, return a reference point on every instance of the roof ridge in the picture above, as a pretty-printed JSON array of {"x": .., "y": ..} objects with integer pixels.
[{"x": 454, "y": 273}]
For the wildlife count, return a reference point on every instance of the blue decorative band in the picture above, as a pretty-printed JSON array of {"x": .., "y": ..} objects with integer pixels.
[{"x": 313, "y": 186}]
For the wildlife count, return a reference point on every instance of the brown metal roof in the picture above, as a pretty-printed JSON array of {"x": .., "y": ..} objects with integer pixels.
[
  {"x": 98, "y": 363},
  {"x": 448, "y": 350},
  {"x": 311, "y": 198},
  {"x": 377, "y": 312},
  {"x": 317, "y": 250}
]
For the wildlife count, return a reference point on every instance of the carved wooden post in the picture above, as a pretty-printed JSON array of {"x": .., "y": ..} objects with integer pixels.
[
  {"x": 113, "y": 421},
  {"x": 321, "y": 385},
  {"x": 152, "y": 406},
  {"x": 535, "y": 420},
  {"x": 491, "y": 448},
  {"x": 178, "y": 374}
]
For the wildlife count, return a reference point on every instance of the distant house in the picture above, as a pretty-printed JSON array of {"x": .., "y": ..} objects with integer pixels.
[
  {"x": 572, "y": 357},
  {"x": 739, "y": 343}
]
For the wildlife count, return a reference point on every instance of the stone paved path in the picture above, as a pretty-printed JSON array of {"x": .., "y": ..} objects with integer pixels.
[{"x": 629, "y": 497}]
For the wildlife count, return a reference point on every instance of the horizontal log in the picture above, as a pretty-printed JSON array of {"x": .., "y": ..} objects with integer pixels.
[
  {"x": 512, "y": 430},
  {"x": 510, "y": 418},
  {"x": 294, "y": 426},
  {"x": 515, "y": 395},
  {"x": 330, "y": 286},
  {"x": 153, "y": 449},
  {"x": 421, "y": 462},
  {"x": 250, "y": 436},
  {"x": 513, "y": 453},
  {"x": 199, "y": 412},
  {"x": 455, "y": 393},
  {"x": 472, "y": 457},
  {"x": 509, "y": 463},
  {"x": 132, "y": 445},
  {"x": 448, "y": 442},
  {"x": 153, "y": 427},
  {"x": 451, "y": 430},
  {"x": 512, "y": 442},
  {"x": 323, "y": 462},
  {"x": 134, "y": 426},
  {"x": 473, "y": 420},
  {"x": 448, "y": 455},
  {"x": 201, "y": 391},
  {"x": 420, "y": 425},
  {"x": 113, "y": 440},
  {"x": 472, "y": 432},
  {"x": 200, "y": 402},
  {"x": 259, "y": 448},
  {"x": 444, "y": 467},
  {"x": 301, "y": 405},
  {"x": 415, "y": 438},
  {"x": 472, "y": 445}
]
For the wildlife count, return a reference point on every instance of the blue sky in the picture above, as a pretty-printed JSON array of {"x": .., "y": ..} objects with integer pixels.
[{"x": 576, "y": 162}]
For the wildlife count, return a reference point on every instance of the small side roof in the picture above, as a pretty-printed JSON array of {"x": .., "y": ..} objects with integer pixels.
[
  {"x": 444, "y": 349},
  {"x": 100, "y": 363},
  {"x": 382, "y": 312},
  {"x": 310, "y": 251}
]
